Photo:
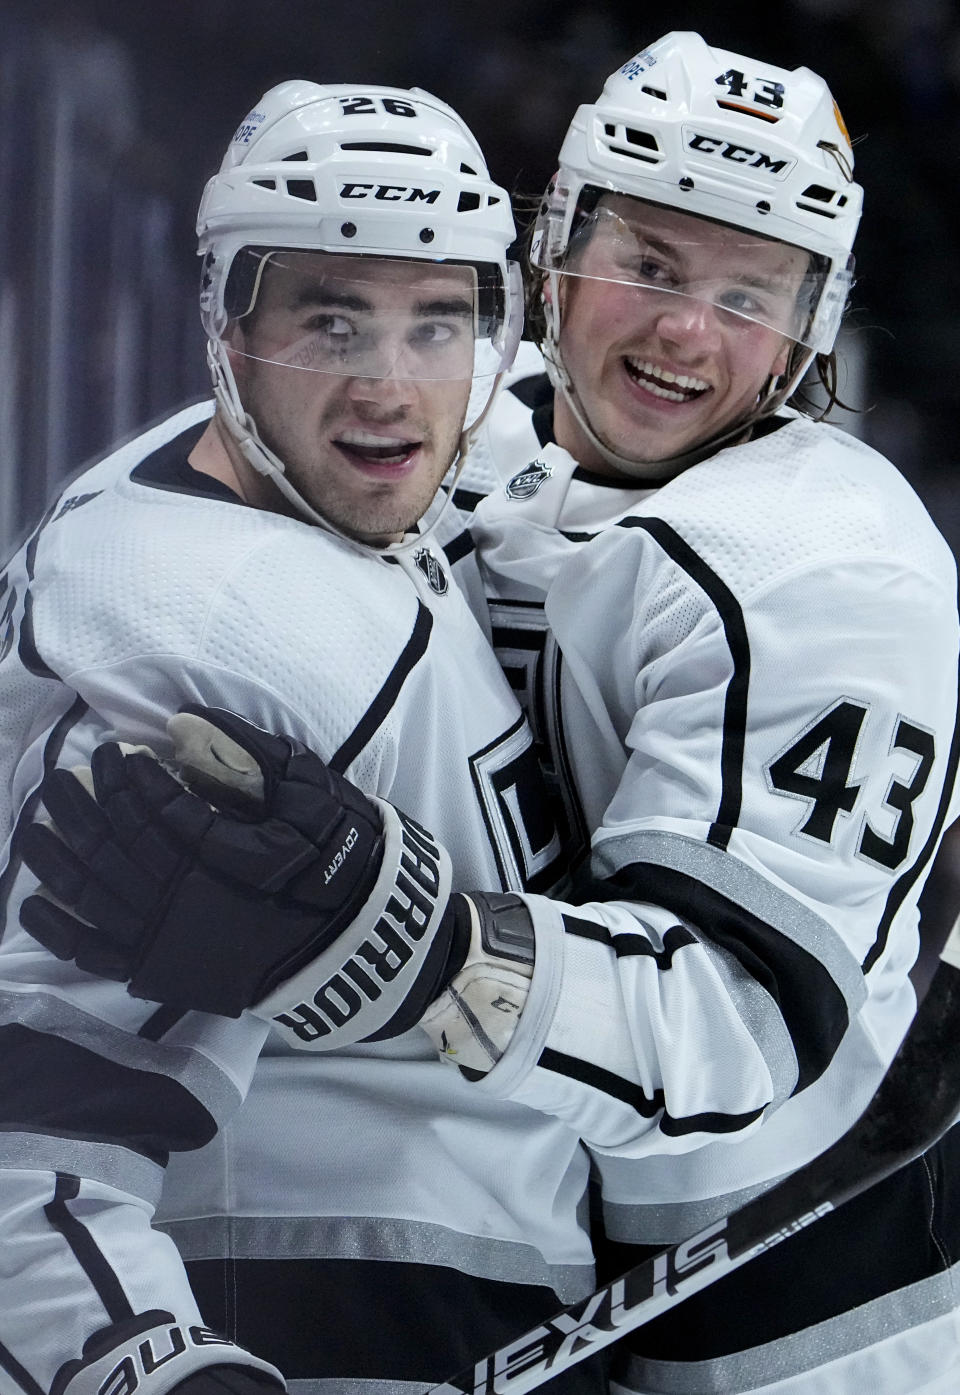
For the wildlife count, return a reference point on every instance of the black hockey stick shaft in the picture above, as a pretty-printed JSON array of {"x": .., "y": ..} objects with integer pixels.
[{"x": 917, "y": 1101}]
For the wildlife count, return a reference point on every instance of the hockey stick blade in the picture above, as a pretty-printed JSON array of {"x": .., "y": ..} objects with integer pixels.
[{"x": 917, "y": 1101}]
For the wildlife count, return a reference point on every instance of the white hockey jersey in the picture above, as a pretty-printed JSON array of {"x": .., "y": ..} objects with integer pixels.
[
  {"x": 743, "y": 685},
  {"x": 359, "y": 1218}
]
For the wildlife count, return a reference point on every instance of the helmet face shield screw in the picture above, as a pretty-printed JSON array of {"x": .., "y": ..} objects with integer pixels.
[
  {"x": 349, "y": 230},
  {"x": 427, "y": 234}
]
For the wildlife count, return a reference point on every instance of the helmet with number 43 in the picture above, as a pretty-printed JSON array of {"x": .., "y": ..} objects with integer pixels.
[
  {"x": 357, "y": 174},
  {"x": 724, "y": 138}
]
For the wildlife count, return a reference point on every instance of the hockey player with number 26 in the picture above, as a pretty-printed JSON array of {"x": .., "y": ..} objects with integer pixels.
[
  {"x": 185, "y": 1202},
  {"x": 734, "y": 631}
]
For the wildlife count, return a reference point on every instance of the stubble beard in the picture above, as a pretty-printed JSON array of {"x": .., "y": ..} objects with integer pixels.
[{"x": 373, "y": 513}]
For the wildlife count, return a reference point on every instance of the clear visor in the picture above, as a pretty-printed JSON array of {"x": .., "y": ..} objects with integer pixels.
[
  {"x": 371, "y": 317},
  {"x": 747, "y": 280}
]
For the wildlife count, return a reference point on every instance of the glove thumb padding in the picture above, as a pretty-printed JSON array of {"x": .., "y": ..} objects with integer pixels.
[{"x": 211, "y": 757}]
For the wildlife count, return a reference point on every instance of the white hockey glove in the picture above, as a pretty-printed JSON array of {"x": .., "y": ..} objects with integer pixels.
[
  {"x": 472, "y": 1021},
  {"x": 157, "y": 1355},
  {"x": 293, "y": 877}
]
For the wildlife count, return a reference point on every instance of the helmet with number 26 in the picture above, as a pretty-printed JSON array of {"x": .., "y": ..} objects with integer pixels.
[
  {"x": 359, "y": 174},
  {"x": 712, "y": 134}
]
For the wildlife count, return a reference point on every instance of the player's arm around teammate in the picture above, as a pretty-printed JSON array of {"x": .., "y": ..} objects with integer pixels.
[{"x": 266, "y": 558}]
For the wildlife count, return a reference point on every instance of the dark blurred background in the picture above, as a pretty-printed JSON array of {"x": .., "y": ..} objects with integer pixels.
[{"x": 114, "y": 112}]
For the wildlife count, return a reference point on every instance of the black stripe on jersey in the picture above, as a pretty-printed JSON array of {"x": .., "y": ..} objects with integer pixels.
[
  {"x": 52, "y": 1086},
  {"x": 461, "y": 546},
  {"x": 342, "y": 1319},
  {"x": 735, "y": 704},
  {"x": 85, "y": 1249},
  {"x": 549, "y": 735},
  {"x": 27, "y": 647},
  {"x": 575, "y": 1068},
  {"x": 168, "y": 468},
  {"x": 812, "y": 1005},
  {"x": 467, "y": 499},
  {"x": 373, "y": 718},
  {"x": 26, "y": 1382},
  {"x": 536, "y": 393},
  {"x": 626, "y": 945},
  {"x": 899, "y": 1232},
  {"x": 51, "y": 754},
  {"x": 904, "y": 883}
]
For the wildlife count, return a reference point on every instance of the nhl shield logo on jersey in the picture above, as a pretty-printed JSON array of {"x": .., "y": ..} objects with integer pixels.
[
  {"x": 432, "y": 570},
  {"x": 528, "y": 481}
]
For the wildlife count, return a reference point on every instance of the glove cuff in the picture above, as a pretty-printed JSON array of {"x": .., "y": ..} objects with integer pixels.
[
  {"x": 153, "y": 1355},
  {"x": 471, "y": 1024},
  {"x": 351, "y": 991}
]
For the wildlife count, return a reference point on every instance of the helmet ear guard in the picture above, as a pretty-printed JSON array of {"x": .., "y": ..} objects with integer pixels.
[{"x": 718, "y": 136}]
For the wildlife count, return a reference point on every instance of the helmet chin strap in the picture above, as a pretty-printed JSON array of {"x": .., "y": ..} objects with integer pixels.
[
  {"x": 243, "y": 432},
  {"x": 775, "y": 393}
]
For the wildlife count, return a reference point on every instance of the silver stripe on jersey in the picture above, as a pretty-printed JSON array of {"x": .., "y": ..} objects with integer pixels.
[
  {"x": 43, "y": 1012},
  {"x": 671, "y": 1222},
  {"x": 375, "y": 1238},
  {"x": 762, "y": 1019},
  {"x": 354, "y": 1387},
  {"x": 806, "y": 1351},
  {"x": 109, "y": 1163},
  {"x": 724, "y": 872}
]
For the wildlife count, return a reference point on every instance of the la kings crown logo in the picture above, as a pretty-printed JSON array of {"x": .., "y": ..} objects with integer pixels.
[{"x": 525, "y": 484}]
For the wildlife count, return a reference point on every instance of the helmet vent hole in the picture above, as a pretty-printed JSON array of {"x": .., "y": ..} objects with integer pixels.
[
  {"x": 266, "y": 183},
  {"x": 468, "y": 202},
  {"x": 302, "y": 189},
  {"x": 655, "y": 92},
  {"x": 386, "y": 147},
  {"x": 817, "y": 191},
  {"x": 643, "y": 138},
  {"x": 491, "y": 200},
  {"x": 465, "y": 169},
  {"x": 298, "y": 155}
]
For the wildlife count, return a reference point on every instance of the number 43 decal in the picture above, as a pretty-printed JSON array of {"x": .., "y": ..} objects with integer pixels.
[{"x": 817, "y": 768}]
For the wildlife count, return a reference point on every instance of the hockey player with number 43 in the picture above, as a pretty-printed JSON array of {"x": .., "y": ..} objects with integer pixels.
[{"x": 735, "y": 633}]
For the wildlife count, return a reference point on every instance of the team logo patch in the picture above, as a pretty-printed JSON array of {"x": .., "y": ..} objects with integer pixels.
[
  {"x": 529, "y": 480},
  {"x": 432, "y": 570}
]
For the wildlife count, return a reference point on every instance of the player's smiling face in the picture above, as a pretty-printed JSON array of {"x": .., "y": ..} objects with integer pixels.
[
  {"x": 670, "y": 329},
  {"x": 357, "y": 372}
]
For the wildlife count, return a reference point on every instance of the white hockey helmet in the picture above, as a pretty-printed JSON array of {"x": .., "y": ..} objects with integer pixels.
[
  {"x": 723, "y": 137},
  {"x": 355, "y": 171}
]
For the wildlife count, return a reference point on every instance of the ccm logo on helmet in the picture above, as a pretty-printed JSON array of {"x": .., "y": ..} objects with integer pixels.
[
  {"x": 739, "y": 154},
  {"x": 389, "y": 193}
]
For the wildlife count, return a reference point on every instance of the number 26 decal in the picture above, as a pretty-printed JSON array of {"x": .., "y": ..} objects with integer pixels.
[{"x": 817, "y": 768}]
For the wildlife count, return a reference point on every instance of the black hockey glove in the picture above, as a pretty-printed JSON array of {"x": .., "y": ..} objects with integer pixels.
[{"x": 291, "y": 877}]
